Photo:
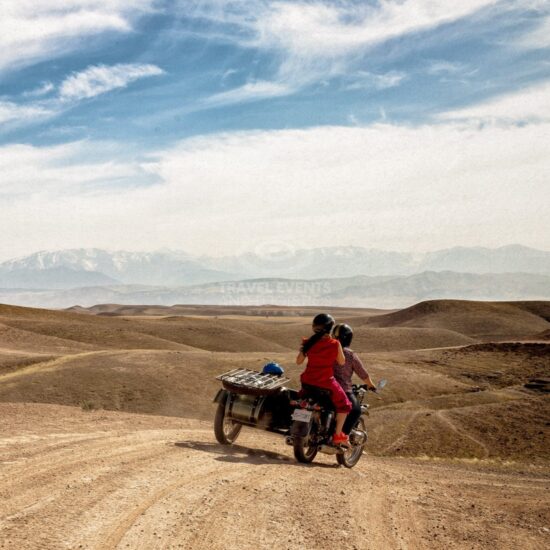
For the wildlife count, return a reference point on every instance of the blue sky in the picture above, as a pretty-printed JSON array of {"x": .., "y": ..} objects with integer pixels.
[{"x": 164, "y": 107}]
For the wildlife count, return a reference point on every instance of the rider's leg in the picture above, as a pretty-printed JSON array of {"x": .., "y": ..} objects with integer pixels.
[
  {"x": 341, "y": 403},
  {"x": 353, "y": 415},
  {"x": 340, "y": 419}
]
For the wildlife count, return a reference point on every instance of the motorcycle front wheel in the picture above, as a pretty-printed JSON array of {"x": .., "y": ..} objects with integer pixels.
[
  {"x": 351, "y": 457},
  {"x": 225, "y": 430}
]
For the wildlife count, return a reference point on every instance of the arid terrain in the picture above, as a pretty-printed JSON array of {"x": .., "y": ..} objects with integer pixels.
[{"x": 106, "y": 436}]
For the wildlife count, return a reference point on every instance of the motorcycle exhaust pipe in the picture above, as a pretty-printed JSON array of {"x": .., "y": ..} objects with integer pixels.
[{"x": 329, "y": 450}]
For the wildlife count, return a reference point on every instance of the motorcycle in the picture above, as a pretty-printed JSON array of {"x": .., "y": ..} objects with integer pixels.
[{"x": 306, "y": 419}]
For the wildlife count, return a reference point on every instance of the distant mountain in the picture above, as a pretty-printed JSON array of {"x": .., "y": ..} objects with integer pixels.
[
  {"x": 506, "y": 259},
  {"x": 149, "y": 268},
  {"x": 432, "y": 285},
  {"x": 361, "y": 291},
  {"x": 244, "y": 292},
  {"x": 328, "y": 262},
  {"x": 95, "y": 267},
  {"x": 58, "y": 277}
]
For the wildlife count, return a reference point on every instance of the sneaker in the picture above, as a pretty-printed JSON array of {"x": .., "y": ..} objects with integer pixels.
[{"x": 340, "y": 439}]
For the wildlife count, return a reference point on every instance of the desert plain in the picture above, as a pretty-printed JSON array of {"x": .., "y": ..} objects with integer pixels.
[{"x": 106, "y": 436}]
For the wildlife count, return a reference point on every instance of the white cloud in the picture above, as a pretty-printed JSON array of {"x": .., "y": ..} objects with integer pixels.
[
  {"x": 12, "y": 112},
  {"x": 441, "y": 66},
  {"x": 96, "y": 80},
  {"x": 366, "y": 80},
  {"x": 44, "y": 89},
  {"x": 76, "y": 168},
  {"x": 31, "y": 31},
  {"x": 529, "y": 104},
  {"x": 384, "y": 185},
  {"x": 93, "y": 81},
  {"x": 316, "y": 41},
  {"x": 538, "y": 37},
  {"x": 324, "y": 29},
  {"x": 251, "y": 91}
]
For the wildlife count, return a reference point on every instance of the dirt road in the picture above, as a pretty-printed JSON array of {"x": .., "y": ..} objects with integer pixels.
[{"x": 100, "y": 480}]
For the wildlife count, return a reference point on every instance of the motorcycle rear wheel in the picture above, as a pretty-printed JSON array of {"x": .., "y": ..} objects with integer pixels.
[
  {"x": 351, "y": 457},
  {"x": 225, "y": 430},
  {"x": 302, "y": 451}
]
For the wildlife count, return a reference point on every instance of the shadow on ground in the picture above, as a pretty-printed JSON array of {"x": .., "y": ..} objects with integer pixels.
[{"x": 240, "y": 454}]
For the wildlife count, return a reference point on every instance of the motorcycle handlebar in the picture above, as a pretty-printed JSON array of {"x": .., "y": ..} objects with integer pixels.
[{"x": 364, "y": 387}]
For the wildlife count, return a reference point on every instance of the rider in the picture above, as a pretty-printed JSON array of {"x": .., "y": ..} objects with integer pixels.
[
  {"x": 343, "y": 374},
  {"x": 322, "y": 352}
]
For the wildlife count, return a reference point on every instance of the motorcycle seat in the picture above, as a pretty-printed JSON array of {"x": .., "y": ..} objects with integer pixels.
[{"x": 318, "y": 394}]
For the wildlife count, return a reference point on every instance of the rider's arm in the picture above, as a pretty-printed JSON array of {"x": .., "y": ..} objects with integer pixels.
[
  {"x": 300, "y": 358},
  {"x": 368, "y": 381},
  {"x": 360, "y": 371},
  {"x": 340, "y": 358}
]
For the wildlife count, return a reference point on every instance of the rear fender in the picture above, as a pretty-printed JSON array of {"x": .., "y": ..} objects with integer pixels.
[
  {"x": 300, "y": 429},
  {"x": 221, "y": 396}
]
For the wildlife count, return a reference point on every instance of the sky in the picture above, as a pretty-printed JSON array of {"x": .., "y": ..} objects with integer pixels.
[{"x": 218, "y": 127}]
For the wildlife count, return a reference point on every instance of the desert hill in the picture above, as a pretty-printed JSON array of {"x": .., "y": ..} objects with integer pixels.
[
  {"x": 166, "y": 364},
  {"x": 106, "y": 434},
  {"x": 484, "y": 320},
  {"x": 246, "y": 333},
  {"x": 266, "y": 310}
]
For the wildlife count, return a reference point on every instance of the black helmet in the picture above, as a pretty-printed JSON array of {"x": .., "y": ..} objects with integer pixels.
[
  {"x": 323, "y": 323},
  {"x": 344, "y": 334}
]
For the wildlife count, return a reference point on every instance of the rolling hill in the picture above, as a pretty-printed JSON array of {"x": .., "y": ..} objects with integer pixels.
[
  {"x": 447, "y": 390},
  {"x": 107, "y": 441},
  {"x": 484, "y": 320}
]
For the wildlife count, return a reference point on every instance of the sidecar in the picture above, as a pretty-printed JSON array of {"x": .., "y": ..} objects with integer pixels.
[{"x": 254, "y": 399}]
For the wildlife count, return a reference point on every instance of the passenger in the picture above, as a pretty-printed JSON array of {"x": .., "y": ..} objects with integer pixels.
[
  {"x": 322, "y": 352},
  {"x": 343, "y": 374}
]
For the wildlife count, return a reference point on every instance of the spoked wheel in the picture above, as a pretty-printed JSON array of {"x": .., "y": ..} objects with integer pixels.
[
  {"x": 358, "y": 441},
  {"x": 225, "y": 429},
  {"x": 303, "y": 451}
]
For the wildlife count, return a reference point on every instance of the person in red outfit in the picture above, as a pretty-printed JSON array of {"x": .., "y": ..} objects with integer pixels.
[{"x": 321, "y": 352}]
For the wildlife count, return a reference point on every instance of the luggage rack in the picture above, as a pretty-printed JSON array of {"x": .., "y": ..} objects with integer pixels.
[{"x": 251, "y": 382}]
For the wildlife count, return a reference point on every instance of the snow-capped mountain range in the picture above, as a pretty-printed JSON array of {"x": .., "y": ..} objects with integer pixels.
[
  {"x": 101, "y": 267},
  {"x": 323, "y": 276},
  {"x": 96, "y": 267}
]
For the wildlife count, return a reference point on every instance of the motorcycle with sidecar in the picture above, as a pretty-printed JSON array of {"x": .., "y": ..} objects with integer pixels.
[{"x": 306, "y": 419}]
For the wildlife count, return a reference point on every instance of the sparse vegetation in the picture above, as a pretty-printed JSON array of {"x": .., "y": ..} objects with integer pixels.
[{"x": 88, "y": 405}]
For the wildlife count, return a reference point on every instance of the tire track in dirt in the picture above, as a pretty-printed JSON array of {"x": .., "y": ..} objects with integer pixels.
[
  {"x": 452, "y": 426},
  {"x": 54, "y": 498},
  {"x": 127, "y": 521},
  {"x": 169, "y": 487},
  {"x": 400, "y": 440},
  {"x": 63, "y": 460},
  {"x": 54, "y": 364}
]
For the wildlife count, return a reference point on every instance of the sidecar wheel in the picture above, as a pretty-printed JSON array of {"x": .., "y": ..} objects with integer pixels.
[
  {"x": 350, "y": 457},
  {"x": 225, "y": 430},
  {"x": 302, "y": 452}
]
